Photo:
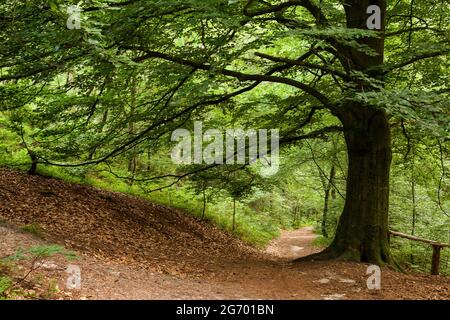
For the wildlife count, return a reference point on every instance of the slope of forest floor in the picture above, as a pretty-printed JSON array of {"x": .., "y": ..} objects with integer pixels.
[{"x": 129, "y": 248}]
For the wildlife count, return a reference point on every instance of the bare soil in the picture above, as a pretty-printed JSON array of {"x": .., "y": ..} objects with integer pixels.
[{"x": 130, "y": 248}]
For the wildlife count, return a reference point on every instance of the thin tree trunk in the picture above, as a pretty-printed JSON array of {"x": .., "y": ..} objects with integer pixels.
[
  {"x": 204, "y": 204},
  {"x": 132, "y": 163},
  {"x": 328, "y": 188},
  {"x": 414, "y": 206},
  {"x": 234, "y": 214},
  {"x": 102, "y": 125},
  {"x": 149, "y": 156},
  {"x": 295, "y": 216},
  {"x": 34, "y": 163}
]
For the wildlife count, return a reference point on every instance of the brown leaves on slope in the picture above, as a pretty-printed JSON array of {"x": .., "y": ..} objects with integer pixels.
[{"x": 117, "y": 226}]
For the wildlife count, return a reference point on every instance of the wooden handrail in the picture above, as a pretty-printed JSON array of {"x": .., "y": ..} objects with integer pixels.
[
  {"x": 437, "y": 246},
  {"x": 407, "y": 236}
]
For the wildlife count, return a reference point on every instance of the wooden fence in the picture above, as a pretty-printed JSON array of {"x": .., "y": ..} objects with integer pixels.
[{"x": 437, "y": 247}]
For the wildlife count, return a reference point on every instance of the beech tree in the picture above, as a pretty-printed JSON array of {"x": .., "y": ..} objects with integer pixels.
[{"x": 339, "y": 66}]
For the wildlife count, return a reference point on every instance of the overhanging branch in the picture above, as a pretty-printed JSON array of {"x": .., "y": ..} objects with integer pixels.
[
  {"x": 291, "y": 62},
  {"x": 389, "y": 68},
  {"x": 313, "y": 9},
  {"x": 236, "y": 74},
  {"x": 311, "y": 135}
]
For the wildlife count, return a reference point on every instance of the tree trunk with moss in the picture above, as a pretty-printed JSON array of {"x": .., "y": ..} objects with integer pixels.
[{"x": 362, "y": 232}]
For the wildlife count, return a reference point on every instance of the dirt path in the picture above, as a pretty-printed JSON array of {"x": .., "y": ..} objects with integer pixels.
[
  {"x": 270, "y": 278},
  {"x": 130, "y": 248},
  {"x": 247, "y": 279},
  {"x": 293, "y": 244}
]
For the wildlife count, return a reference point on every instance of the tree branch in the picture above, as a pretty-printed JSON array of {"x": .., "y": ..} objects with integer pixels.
[
  {"x": 312, "y": 134},
  {"x": 389, "y": 68},
  {"x": 236, "y": 74},
  {"x": 314, "y": 10},
  {"x": 291, "y": 62}
]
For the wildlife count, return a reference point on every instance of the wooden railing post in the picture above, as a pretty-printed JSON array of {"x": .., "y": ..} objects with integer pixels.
[
  {"x": 437, "y": 246},
  {"x": 436, "y": 260}
]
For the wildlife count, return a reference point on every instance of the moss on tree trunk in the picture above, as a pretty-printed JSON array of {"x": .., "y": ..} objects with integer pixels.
[{"x": 362, "y": 232}]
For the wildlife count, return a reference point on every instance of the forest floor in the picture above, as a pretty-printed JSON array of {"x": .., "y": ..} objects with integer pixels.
[{"x": 129, "y": 248}]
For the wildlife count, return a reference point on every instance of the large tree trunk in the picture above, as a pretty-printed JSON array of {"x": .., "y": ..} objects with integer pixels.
[{"x": 362, "y": 232}]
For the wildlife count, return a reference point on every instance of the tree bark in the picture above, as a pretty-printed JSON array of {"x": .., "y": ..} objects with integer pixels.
[
  {"x": 234, "y": 215},
  {"x": 204, "y": 203},
  {"x": 132, "y": 163},
  {"x": 414, "y": 205},
  {"x": 328, "y": 187},
  {"x": 436, "y": 260},
  {"x": 362, "y": 232},
  {"x": 34, "y": 162}
]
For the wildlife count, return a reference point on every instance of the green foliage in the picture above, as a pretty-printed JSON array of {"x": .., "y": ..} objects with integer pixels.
[
  {"x": 251, "y": 226},
  {"x": 8, "y": 288},
  {"x": 5, "y": 284},
  {"x": 40, "y": 252},
  {"x": 34, "y": 229},
  {"x": 52, "y": 289},
  {"x": 98, "y": 105},
  {"x": 321, "y": 241}
]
